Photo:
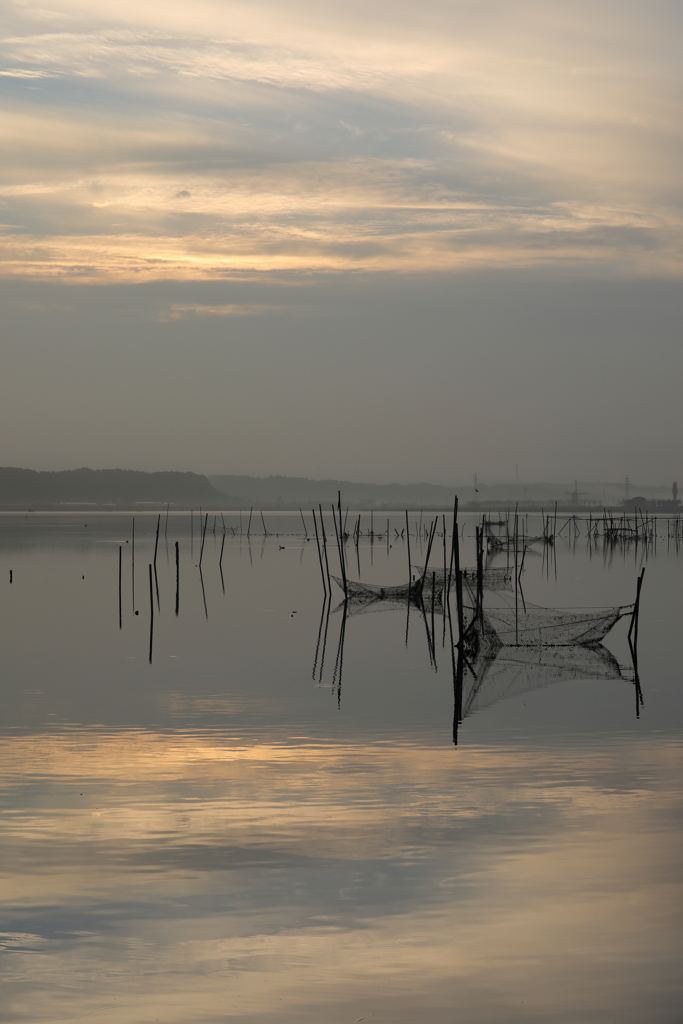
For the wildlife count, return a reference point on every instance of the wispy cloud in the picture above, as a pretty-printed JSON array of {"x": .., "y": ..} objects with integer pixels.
[{"x": 154, "y": 141}]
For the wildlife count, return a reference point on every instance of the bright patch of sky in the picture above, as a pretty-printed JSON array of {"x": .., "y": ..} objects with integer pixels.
[{"x": 203, "y": 141}]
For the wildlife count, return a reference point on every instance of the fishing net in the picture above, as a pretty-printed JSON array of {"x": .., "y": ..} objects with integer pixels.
[
  {"x": 502, "y": 624},
  {"x": 502, "y": 543},
  {"x": 365, "y": 592},
  {"x": 511, "y": 671},
  {"x": 529, "y": 625},
  {"x": 494, "y": 578}
]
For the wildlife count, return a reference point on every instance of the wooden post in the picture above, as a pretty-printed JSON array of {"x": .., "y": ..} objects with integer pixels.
[
  {"x": 633, "y": 628},
  {"x": 410, "y": 573},
  {"x": 156, "y": 540},
  {"x": 201, "y": 553},
  {"x": 320, "y": 555},
  {"x": 458, "y": 574},
  {"x": 151, "y": 614},
  {"x": 516, "y": 583},
  {"x": 444, "y": 609},
  {"x": 156, "y": 548},
  {"x": 177, "y": 577},
  {"x": 340, "y": 551},
  {"x": 327, "y": 562},
  {"x": 120, "y": 561}
]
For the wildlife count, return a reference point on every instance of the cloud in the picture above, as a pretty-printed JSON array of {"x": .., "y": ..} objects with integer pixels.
[
  {"x": 308, "y": 139},
  {"x": 178, "y": 311}
]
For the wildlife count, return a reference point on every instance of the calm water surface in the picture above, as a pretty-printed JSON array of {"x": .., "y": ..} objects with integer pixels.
[{"x": 233, "y": 833}]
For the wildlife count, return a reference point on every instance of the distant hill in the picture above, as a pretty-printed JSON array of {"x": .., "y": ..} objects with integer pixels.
[
  {"x": 295, "y": 492},
  {"x": 27, "y": 487}
]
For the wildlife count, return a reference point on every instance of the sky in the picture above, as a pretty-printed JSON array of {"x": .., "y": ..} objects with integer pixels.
[{"x": 383, "y": 242}]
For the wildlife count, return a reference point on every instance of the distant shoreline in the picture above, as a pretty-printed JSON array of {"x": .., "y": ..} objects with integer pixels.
[{"x": 156, "y": 508}]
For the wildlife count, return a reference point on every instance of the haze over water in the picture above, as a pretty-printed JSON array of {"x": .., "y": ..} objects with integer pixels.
[{"x": 217, "y": 835}]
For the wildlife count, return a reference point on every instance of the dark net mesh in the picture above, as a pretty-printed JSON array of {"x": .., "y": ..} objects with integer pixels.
[{"x": 497, "y": 674}]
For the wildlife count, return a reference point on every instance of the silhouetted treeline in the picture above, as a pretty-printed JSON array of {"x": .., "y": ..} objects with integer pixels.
[
  {"x": 292, "y": 492},
  {"x": 120, "y": 486}
]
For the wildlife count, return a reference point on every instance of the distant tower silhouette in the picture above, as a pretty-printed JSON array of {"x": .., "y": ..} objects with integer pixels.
[
  {"x": 674, "y": 491},
  {"x": 627, "y": 489},
  {"x": 576, "y": 495}
]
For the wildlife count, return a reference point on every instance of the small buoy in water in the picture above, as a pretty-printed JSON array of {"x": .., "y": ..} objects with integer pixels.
[
  {"x": 137, "y": 613},
  {"x": 282, "y": 547},
  {"x": 82, "y": 577}
]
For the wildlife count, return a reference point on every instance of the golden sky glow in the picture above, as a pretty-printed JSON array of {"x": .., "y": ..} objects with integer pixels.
[{"x": 207, "y": 141}]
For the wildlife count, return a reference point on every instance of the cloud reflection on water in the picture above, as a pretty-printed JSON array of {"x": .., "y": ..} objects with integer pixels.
[{"x": 196, "y": 876}]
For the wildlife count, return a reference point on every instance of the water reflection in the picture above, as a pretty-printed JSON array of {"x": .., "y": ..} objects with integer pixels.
[
  {"x": 215, "y": 834},
  {"x": 155, "y": 871}
]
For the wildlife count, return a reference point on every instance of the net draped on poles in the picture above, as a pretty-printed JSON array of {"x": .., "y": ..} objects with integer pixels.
[
  {"x": 503, "y": 624},
  {"x": 511, "y": 671}
]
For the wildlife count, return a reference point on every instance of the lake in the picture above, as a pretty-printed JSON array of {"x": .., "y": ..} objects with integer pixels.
[{"x": 265, "y": 824}]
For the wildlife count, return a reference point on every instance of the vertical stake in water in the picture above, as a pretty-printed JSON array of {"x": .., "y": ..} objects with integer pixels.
[
  {"x": 324, "y": 535},
  {"x": 410, "y": 568},
  {"x": 133, "y": 564},
  {"x": 156, "y": 541},
  {"x": 320, "y": 554},
  {"x": 516, "y": 583},
  {"x": 458, "y": 574},
  {"x": 443, "y": 596},
  {"x": 201, "y": 553},
  {"x": 168, "y": 505},
  {"x": 303, "y": 521},
  {"x": 177, "y": 577},
  {"x": 633, "y": 628},
  {"x": 339, "y": 548},
  {"x": 120, "y": 562},
  {"x": 151, "y": 614},
  {"x": 220, "y": 563},
  {"x": 156, "y": 548},
  {"x": 444, "y": 612}
]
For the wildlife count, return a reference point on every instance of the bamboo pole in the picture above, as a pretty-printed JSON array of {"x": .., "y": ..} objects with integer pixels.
[
  {"x": 177, "y": 577},
  {"x": 458, "y": 575},
  {"x": 327, "y": 562},
  {"x": 151, "y": 614},
  {"x": 410, "y": 574},
  {"x": 201, "y": 553},
  {"x": 320, "y": 555}
]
